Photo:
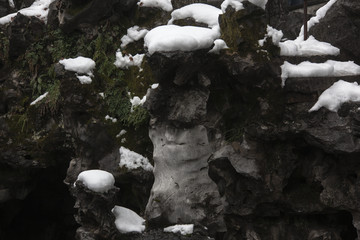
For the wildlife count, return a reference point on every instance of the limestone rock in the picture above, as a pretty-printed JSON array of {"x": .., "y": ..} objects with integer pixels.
[{"x": 181, "y": 180}]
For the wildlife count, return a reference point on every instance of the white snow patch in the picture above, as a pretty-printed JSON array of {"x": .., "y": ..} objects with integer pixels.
[
  {"x": 122, "y": 132},
  {"x": 84, "y": 79},
  {"x": 133, "y": 160},
  {"x": 328, "y": 69},
  {"x": 133, "y": 34},
  {"x": 320, "y": 13},
  {"x": 200, "y": 12},
  {"x": 127, "y": 61},
  {"x": 128, "y": 221},
  {"x": 219, "y": 44},
  {"x": 107, "y": 117},
  {"x": 276, "y": 36},
  {"x": 11, "y": 3},
  {"x": 41, "y": 97},
  {"x": 339, "y": 93},
  {"x": 97, "y": 180},
  {"x": 136, "y": 101},
  {"x": 172, "y": 38},
  {"x": 155, "y": 86},
  {"x": 162, "y": 4},
  {"x": 310, "y": 47},
  {"x": 39, "y": 9},
  {"x": 80, "y": 65},
  {"x": 237, "y": 4},
  {"x": 183, "y": 229}
]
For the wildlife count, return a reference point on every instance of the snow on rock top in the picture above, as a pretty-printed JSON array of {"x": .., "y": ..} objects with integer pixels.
[
  {"x": 275, "y": 35},
  {"x": 133, "y": 34},
  {"x": 219, "y": 44},
  {"x": 200, "y": 12},
  {"x": 310, "y": 47},
  {"x": 133, "y": 160},
  {"x": 97, "y": 180},
  {"x": 162, "y": 4},
  {"x": 328, "y": 69},
  {"x": 183, "y": 229},
  {"x": 339, "y": 93},
  {"x": 237, "y": 4},
  {"x": 128, "y": 221},
  {"x": 320, "y": 13},
  {"x": 80, "y": 65},
  {"x": 127, "y": 61},
  {"x": 39, "y": 9},
  {"x": 172, "y": 38},
  {"x": 299, "y": 47}
]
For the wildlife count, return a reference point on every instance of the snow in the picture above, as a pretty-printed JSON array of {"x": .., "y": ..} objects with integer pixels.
[
  {"x": 162, "y": 4},
  {"x": 107, "y": 117},
  {"x": 41, "y": 97},
  {"x": 133, "y": 160},
  {"x": 80, "y": 65},
  {"x": 39, "y": 9},
  {"x": 200, "y": 12},
  {"x": 320, "y": 13},
  {"x": 122, "y": 132},
  {"x": 339, "y": 93},
  {"x": 133, "y": 34},
  {"x": 237, "y": 4},
  {"x": 275, "y": 35},
  {"x": 84, "y": 79},
  {"x": 97, "y": 180},
  {"x": 299, "y": 47},
  {"x": 310, "y": 47},
  {"x": 219, "y": 44},
  {"x": 328, "y": 69},
  {"x": 11, "y": 3},
  {"x": 184, "y": 229},
  {"x": 127, "y": 61},
  {"x": 136, "y": 101},
  {"x": 127, "y": 221},
  {"x": 154, "y": 86},
  {"x": 172, "y": 38}
]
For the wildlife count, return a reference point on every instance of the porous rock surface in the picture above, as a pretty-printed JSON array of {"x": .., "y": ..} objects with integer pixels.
[{"x": 233, "y": 152}]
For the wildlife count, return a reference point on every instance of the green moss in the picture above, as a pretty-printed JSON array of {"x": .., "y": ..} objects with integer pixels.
[
  {"x": 4, "y": 47},
  {"x": 241, "y": 31},
  {"x": 139, "y": 116}
]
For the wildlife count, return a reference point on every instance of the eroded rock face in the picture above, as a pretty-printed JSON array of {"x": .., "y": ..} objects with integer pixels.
[
  {"x": 94, "y": 213},
  {"x": 182, "y": 191}
]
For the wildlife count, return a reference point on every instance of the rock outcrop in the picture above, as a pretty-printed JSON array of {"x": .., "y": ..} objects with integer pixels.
[{"x": 233, "y": 152}]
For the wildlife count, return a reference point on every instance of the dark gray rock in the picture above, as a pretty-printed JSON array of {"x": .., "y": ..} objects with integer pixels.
[
  {"x": 82, "y": 15},
  {"x": 4, "y": 8},
  {"x": 94, "y": 213},
  {"x": 22, "y": 32},
  {"x": 341, "y": 28}
]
